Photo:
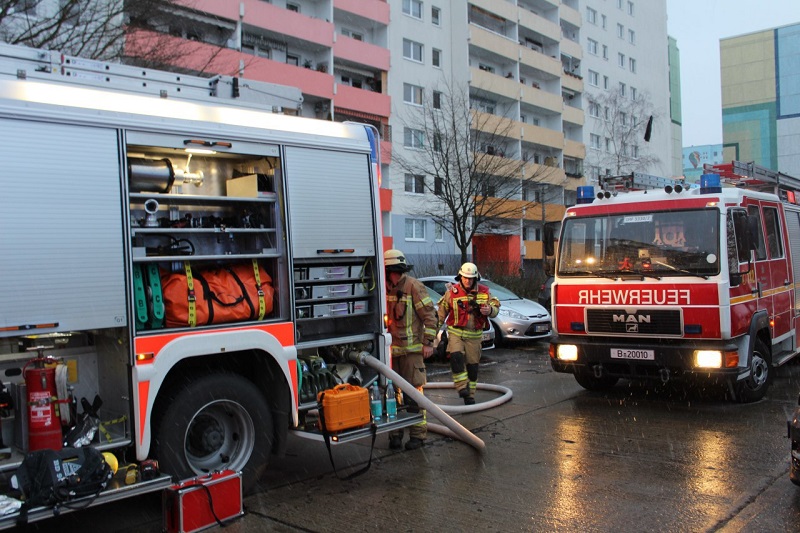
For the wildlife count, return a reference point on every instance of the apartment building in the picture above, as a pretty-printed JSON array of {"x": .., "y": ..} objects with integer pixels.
[
  {"x": 520, "y": 62},
  {"x": 629, "y": 71},
  {"x": 761, "y": 98}
]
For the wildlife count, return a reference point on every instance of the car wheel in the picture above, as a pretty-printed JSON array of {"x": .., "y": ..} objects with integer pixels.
[
  {"x": 214, "y": 423},
  {"x": 589, "y": 381},
  {"x": 755, "y": 386},
  {"x": 499, "y": 340}
]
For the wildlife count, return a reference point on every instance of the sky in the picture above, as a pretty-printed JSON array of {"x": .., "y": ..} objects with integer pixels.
[{"x": 698, "y": 25}]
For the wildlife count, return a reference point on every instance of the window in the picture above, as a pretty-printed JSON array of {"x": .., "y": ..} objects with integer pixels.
[
  {"x": 436, "y": 59},
  {"x": 413, "y": 138},
  {"x": 774, "y": 237},
  {"x": 621, "y": 60},
  {"x": 438, "y": 232},
  {"x": 593, "y": 78},
  {"x": 592, "y": 47},
  {"x": 488, "y": 190},
  {"x": 607, "y": 113},
  {"x": 437, "y": 142},
  {"x": 605, "y": 52},
  {"x": 635, "y": 151},
  {"x": 412, "y": 50},
  {"x": 633, "y": 93},
  {"x": 412, "y": 94},
  {"x": 436, "y": 14},
  {"x": 352, "y": 34},
  {"x": 605, "y": 82},
  {"x": 413, "y": 8},
  {"x": 623, "y": 118},
  {"x": 630, "y": 8},
  {"x": 594, "y": 141},
  {"x": 415, "y": 229},
  {"x": 437, "y": 100},
  {"x": 632, "y": 36},
  {"x": 603, "y": 21},
  {"x": 438, "y": 188},
  {"x": 415, "y": 183},
  {"x": 591, "y": 15},
  {"x": 761, "y": 249},
  {"x": 620, "y": 31},
  {"x": 608, "y": 144},
  {"x": 632, "y": 64},
  {"x": 292, "y": 60},
  {"x": 293, "y": 7},
  {"x": 71, "y": 14},
  {"x": 619, "y": 4},
  {"x": 594, "y": 110}
]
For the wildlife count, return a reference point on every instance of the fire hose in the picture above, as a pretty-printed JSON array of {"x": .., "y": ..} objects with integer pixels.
[{"x": 451, "y": 427}]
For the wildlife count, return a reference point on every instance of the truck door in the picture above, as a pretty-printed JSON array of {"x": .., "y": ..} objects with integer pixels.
[{"x": 779, "y": 269}]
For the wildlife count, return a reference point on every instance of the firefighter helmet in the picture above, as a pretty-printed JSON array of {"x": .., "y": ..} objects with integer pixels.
[
  {"x": 468, "y": 270},
  {"x": 395, "y": 261}
]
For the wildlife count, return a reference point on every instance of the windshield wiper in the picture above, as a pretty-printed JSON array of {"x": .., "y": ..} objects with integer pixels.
[
  {"x": 680, "y": 270},
  {"x": 610, "y": 274}
]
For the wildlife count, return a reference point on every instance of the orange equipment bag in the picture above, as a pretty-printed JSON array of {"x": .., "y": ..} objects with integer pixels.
[
  {"x": 343, "y": 407},
  {"x": 232, "y": 293}
]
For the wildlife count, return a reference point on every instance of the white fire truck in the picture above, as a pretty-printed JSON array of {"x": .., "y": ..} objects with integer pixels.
[
  {"x": 680, "y": 283},
  {"x": 173, "y": 259}
]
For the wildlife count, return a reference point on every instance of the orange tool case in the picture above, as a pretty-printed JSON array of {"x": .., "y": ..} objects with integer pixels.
[{"x": 344, "y": 407}]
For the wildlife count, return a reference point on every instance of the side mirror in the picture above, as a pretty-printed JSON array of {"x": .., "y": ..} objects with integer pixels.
[{"x": 549, "y": 240}]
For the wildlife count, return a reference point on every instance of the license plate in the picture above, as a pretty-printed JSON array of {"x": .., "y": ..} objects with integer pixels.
[
  {"x": 541, "y": 328},
  {"x": 628, "y": 353},
  {"x": 485, "y": 337}
]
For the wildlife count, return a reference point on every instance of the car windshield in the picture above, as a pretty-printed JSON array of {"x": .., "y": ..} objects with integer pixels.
[
  {"x": 500, "y": 292},
  {"x": 651, "y": 244}
]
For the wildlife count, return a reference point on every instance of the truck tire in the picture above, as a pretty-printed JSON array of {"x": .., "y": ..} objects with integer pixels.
[
  {"x": 755, "y": 386},
  {"x": 588, "y": 381},
  {"x": 214, "y": 423}
]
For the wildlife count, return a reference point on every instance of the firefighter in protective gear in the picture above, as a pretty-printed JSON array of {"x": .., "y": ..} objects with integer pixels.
[
  {"x": 412, "y": 323},
  {"x": 466, "y": 308}
]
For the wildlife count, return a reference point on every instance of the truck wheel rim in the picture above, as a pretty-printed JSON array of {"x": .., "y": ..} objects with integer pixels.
[
  {"x": 758, "y": 372},
  {"x": 220, "y": 435}
]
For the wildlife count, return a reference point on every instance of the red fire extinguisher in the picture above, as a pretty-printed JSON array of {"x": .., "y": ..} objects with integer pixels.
[{"x": 44, "y": 423}]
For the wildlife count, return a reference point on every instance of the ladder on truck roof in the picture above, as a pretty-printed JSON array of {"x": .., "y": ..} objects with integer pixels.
[
  {"x": 636, "y": 181},
  {"x": 755, "y": 177},
  {"x": 22, "y": 62}
]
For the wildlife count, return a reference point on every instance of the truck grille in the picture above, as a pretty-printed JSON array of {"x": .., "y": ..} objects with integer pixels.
[{"x": 638, "y": 322}]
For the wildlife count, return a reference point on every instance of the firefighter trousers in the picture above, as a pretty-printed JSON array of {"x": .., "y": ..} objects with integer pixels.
[{"x": 411, "y": 367}]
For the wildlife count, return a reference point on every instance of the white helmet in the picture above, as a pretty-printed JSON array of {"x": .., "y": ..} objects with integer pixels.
[
  {"x": 468, "y": 270},
  {"x": 395, "y": 261}
]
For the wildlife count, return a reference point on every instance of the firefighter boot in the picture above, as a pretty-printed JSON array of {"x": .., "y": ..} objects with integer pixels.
[
  {"x": 396, "y": 440},
  {"x": 414, "y": 443},
  {"x": 472, "y": 372}
]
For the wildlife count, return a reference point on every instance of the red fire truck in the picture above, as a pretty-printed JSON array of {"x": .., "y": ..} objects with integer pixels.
[{"x": 694, "y": 283}]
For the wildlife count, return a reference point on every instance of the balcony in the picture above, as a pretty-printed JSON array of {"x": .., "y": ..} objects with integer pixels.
[
  {"x": 282, "y": 21},
  {"x": 543, "y": 100},
  {"x": 494, "y": 84},
  {"x": 482, "y": 38},
  {"x": 496, "y": 125},
  {"x": 573, "y": 115},
  {"x": 574, "y": 149},
  {"x": 544, "y": 174},
  {"x": 361, "y": 53},
  {"x": 362, "y": 100},
  {"x": 572, "y": 82},
  {"x": 519, "y": 209},
  {"x": 567, "y": 14},
  {"x": 377, "y": 10},
  {"x": 498, "y": 9},
  {"x": 571, "y": 48},
  {"x": 537, "y": 60},
  {"x": 540, "y": 25}
]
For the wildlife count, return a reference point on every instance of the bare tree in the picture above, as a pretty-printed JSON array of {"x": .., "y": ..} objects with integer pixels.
[
  {"x": 620, "y": 125},
  {"x": 469, "y": 160},
  {"x": 149, "y": 33}
]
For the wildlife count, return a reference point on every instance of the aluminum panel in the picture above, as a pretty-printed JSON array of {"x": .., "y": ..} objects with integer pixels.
[
  {"x": 317, "y": 221},
  {"x": 61, "y": 241}
]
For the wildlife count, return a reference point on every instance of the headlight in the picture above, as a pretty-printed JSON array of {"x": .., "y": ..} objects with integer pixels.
[
  {"x": 512, "y": 314},
  {"x": 708, "y": 358},
  {"x": 567, "y": 352}
]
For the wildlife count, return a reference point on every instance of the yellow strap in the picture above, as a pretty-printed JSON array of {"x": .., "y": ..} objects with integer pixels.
[
  {"x": 262, "y": 306},
  {"x": 192, "y": 304}
]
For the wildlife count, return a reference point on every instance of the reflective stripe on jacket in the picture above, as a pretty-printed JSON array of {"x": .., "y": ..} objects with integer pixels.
[{"x": 412, "y": 318}]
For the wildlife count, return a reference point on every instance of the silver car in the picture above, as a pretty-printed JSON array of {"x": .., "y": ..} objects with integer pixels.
[{"x": 518, "y": 319}]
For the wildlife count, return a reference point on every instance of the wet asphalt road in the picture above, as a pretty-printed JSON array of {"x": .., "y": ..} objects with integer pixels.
[{"x": 557, "y": 458}]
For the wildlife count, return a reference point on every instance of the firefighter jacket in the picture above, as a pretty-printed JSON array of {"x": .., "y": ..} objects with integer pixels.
[
  {"x": 460, "y": 310},
  {"x": 412, "y": 318}
]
